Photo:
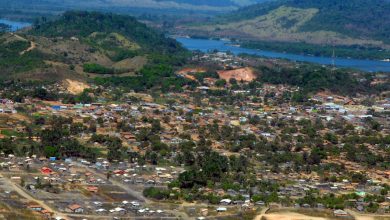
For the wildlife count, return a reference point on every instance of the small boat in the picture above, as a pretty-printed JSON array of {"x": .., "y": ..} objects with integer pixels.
[{"x": 386, "y": 60}]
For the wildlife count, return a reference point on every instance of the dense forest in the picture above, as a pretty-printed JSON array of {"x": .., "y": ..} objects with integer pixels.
[{"x": 356, "y": 51}]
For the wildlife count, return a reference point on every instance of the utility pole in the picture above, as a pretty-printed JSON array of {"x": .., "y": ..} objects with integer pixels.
[{"x": 333, "y": 58}]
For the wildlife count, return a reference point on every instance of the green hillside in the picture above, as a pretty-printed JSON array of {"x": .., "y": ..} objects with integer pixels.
[
  {"x": 25, "y": 9},
  {"x": 354, "y": 18},
  {"x": 85, "y": 45},
  {"x": 83, "y": 24},
  {"x": 348, "y": 23}
]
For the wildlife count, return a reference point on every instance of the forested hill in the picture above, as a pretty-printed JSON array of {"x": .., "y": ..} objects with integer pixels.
[
  {"x": 83, "y": 24},
  {"x": 22, "y": 8},
  {"x": 218, "y": 3},
  {"x": 357, "y": 19},
  {"x": 84, "y": 45}
]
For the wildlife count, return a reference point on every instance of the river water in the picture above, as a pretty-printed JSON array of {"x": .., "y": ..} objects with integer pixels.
[
  {"x": 15, "y": 25},
  {"x": 221, "y": 45}
]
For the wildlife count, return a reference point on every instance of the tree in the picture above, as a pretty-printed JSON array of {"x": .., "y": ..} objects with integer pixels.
[
  {"x": 22, "y": 182},
  {"x": 77, "y": 128},
  {"x": 114, "y": 149},
  {"x": 50, "y": 151},
  {"x": 40, "y": 121},
  {"x": 156, "y": 126},
  {"x": 187, "y": 179},
  {"x": 233, "y": 81},
  {"x": 40, "y": 93},
  {"x": 84, "y": 97},
  {"x": 358, "y": 178},
  {"x": 92, "y": 128},
  {"x": 153, "y": 158},
  {"x": 108, "y": 175},
  {"x": 331, "y": 137},
  {"x": 214, "y": 165},
  {"x": 156, "y": 193},
  {"x": 220, "y": 83}
]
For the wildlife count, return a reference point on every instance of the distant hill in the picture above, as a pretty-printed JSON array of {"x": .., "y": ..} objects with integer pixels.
[
  {"x": 84, "y": 45},
  {"x": 86, "y": 25},
  {"x": 15, "y": 8},
  {"x": 347, "y": 22},
  {"x": 225, "y": 3}
]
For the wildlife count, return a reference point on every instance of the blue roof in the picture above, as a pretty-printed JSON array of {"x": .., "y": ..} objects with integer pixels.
[{"x": 56, "y": 107}]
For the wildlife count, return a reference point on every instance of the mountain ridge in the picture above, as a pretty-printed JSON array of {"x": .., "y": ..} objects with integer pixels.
[
  {"x": 354, "y": 22},
  {"x": 123, "y": 6}
]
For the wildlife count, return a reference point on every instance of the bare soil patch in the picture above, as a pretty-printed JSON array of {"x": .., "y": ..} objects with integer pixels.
[
  {"x": 75, "y": 87},
  {"x": 243, "y": 74}
]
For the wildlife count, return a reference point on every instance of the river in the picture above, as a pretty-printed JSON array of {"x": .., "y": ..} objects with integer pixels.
[
  {"x": 221, "y": 45},
  {"x": 15, "y": 25}
]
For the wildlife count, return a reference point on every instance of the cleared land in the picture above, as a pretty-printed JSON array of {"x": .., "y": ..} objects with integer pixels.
[
  {"x": 282, "y": 24},
  {"x": 243, "y": 74}
]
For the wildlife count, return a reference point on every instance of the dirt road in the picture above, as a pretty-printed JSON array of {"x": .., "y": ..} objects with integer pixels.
[
  {"x": 69, "y": 216},
  {"x": 33, "y": 45},
  {"x": 24, "y": 194},
  {"x": 133, "y": 193},
  {"x": 262, "y": 213},
  {"x": 124, "y": 187},
  {"x": 362, "y": 216}
]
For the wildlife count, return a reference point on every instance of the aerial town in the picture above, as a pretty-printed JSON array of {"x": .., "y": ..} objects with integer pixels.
[
  {"x": 228, "y": 148},
  {"x": 194, "y": 110}
]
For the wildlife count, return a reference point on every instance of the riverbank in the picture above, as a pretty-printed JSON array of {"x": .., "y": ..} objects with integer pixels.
[
  {"x": 355, "y": 52},
  {"x": 206, "y": 45}
]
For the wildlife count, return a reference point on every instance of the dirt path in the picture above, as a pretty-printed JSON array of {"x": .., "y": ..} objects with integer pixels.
[
  {"x": 285, "y": 215},
  {"x": 19, "y": 37},
  {"x": 262, "y": 213},
  {"x": 69, "y": 216},
  {"x": 291, "y": 216},
  {"x": 130, "y": 191},
  {"x": 136, "y": 194},
  {"x": 29, "y": 197},
  {"x": 362, "y": 216},
  {"x": 33, "y": 45}
]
